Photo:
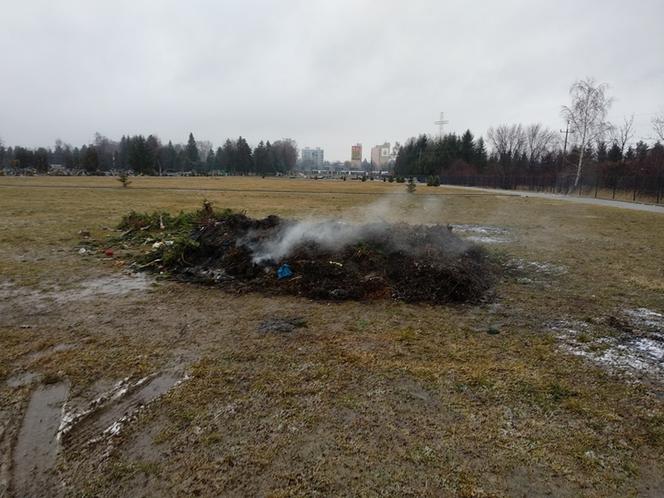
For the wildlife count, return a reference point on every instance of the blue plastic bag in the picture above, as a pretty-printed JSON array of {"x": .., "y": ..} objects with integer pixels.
[{"x": 284, "y": 271}]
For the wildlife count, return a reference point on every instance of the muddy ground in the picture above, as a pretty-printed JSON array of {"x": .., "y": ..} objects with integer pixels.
[{"x": 113, "y": 384}]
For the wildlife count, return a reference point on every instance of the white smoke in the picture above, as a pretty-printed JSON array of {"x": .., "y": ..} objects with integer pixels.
[{"x": 351, "y": 227}]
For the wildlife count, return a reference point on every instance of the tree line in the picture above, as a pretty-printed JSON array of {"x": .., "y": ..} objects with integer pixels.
[
  {"x": 521, "y": 154},
  {"x": 592, "y": 151},
  {"x": 149, "y": 156}
]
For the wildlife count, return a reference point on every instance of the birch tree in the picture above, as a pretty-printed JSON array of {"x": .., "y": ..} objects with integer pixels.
[
  {"x": 587, "y": 115},
  {"x": 658, "y": 126}
]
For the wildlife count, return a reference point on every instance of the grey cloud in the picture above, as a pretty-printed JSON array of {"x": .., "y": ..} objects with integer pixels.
[{"x": 324, "y": 73}]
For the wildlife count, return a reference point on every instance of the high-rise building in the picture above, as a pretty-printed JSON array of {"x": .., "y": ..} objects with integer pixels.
[
  {"x": 380, "y": 156},
  {"x": 356, "y": 155},
  {"x": 313, "y": 158}
]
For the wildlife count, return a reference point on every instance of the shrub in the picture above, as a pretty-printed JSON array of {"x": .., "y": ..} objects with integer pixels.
[{"x": 410, "y": 187}]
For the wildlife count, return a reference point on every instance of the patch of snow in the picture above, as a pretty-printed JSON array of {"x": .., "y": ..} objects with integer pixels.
[
  {"x": 645, "y": 318},
  {"x": 71, "y": 418},
  {"x": 482, "y": 234},
  {"x": 634, "y": 353},
  {"x": 116, "y": 427},
  {"x": 536, "y": 266}
]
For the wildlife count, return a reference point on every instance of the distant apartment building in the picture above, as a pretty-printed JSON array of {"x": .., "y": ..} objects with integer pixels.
[
  {"x": 356, "y": 155},
  {"x": 313, "y": 158},
  {"x": 380, "y": 156}
]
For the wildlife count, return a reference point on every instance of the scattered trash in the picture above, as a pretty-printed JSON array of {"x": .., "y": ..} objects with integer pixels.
[
  {"x": 82, "y": 251},
  {"x": 159, "y": 244},
  {"x": 284, "y": 271},
  {"x": 340, "y": 265},
  {"x": 282, "y": 324},
  {"x": 109, "y": 253}
]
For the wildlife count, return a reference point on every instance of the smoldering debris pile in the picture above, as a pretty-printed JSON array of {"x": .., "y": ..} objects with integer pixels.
[{"x": 316, "y": 259}]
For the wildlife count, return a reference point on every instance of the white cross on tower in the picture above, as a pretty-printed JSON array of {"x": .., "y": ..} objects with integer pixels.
[{"x": 441, "y": 123}]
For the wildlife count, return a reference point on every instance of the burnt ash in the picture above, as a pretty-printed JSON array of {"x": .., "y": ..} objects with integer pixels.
[{"x": 412, "y": 263}]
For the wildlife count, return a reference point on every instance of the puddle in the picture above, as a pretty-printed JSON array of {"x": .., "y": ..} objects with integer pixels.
[
  {"x": 105, "y": 286},
  {"x": 22, "y": 379},
  {"x": 37, "y": 446},
  {"x": 482, "y": 234},
  {"x": 110, "y": 413}
]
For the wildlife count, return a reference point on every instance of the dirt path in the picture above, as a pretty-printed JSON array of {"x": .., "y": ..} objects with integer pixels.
[{"x": 635, "y": 206}]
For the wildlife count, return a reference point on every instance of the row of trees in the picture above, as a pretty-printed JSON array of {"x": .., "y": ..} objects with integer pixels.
[
  {"x": 591, "y": 146},
  {"x": 525, "y": 150},
  {"x": 427, "y": 156},
  {"x": 148, "y": 156}
]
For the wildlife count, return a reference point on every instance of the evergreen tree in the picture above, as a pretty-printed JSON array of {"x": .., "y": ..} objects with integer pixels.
[
  {"x": 480, "y": 154},
  {"x": 228, "y": 157},
  {"x": 615, "y": 154},
  {"x": 269, "y": 158},
  {"x": 641, "y": 151},
  {"x": 41, "y": 160},
  {"x": 244, "y": 160},
  {"x": 209, "y": 166},
  {"x": 169, "y": 157},
  {"x": 153, "y": 145},
  {"x": 219, "y": 162},
  {"x": 140, "y": 156},
  {"x": 192, "y": 152},
  {"x": 467, "y": 152},
  {"x": 90, "y": 159},
  {"x": 123, "y": 153},
  {"x": 602, "y": 153},
  {"x": 261, "y": 159}
]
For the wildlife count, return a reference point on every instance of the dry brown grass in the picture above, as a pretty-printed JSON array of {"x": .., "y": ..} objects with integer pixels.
[{"x": 373, "y": 398}]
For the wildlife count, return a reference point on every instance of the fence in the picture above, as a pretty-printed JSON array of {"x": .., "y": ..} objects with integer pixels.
[{"x": 645, "y": 188}]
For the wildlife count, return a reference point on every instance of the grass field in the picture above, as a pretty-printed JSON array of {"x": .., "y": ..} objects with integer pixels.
[{"x": 531, "y": 394}]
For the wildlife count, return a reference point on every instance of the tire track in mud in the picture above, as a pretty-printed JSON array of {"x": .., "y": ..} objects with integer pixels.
[
  {"x": 37, "y": 447},
  {"x": 48, "y": 428},
  {"x": 107, "y": 418}
]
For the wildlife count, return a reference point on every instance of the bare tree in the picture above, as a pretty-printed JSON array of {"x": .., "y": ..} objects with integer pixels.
[
  {"x": 587, "y": 115},
  {"x": 204, "y": 147},
  {"x": 539, "y": 140},
  {"x": 623, "y": 134},
  {"x": 658, "y": 125},
  {"x": 508, "y": 141}
]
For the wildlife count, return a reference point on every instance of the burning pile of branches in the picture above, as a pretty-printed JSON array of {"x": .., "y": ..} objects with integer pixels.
[{"x": 316, "y": 259}]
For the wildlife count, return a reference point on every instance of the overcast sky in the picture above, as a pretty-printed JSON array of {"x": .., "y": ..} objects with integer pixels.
[{"x": 325, "y": 73}]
